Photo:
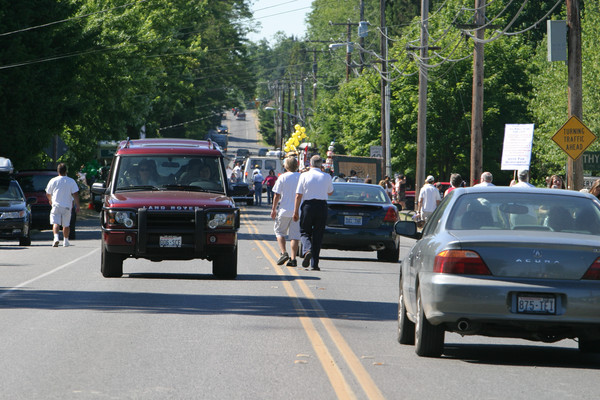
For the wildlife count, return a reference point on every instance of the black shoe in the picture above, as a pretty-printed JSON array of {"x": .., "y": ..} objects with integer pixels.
[
  {"x": 307, "y": 258},
  {"x": 315, "y": 269},
  {"x": 284, "y": 257},
  {"x": 292, "y": 263}
]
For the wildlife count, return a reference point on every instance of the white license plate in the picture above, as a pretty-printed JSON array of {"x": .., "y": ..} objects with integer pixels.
[
  {"x": 536, "y": 304},
  {"x": 351, "y": 220},
  {"x": 170, "y": 241}
]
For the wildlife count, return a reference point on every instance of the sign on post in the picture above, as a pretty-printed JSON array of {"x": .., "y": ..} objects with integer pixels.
[
  {"x": 574, "y": 137},
  {"x": 516, "y": 150}
]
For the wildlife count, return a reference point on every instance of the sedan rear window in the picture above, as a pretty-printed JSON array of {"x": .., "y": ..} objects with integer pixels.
[
  {"x": 525, "y": 211},
  {"x": 352, "y": 193}
]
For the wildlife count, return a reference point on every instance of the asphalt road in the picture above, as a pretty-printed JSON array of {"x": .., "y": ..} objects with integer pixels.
[{"x": 169, "y": 330}]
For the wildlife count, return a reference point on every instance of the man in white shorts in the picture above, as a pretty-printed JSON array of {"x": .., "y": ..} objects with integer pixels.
[
  {"x": 284, "y": 195},
  {"x": 61, "y": 192}
]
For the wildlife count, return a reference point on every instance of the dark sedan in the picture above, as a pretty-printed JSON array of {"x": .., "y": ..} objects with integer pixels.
[
  {"x": 361, "y": 217},
  {"x": 503, "y": 262},
  {"x": 15, "y": 213}
]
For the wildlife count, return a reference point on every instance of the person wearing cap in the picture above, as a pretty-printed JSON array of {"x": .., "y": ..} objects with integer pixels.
[
  {"x": 523, "y": 177},
  {"x": 257, "y": 179},
  {"x": 429, "y": 198},
  {"x": 312, "y": 192}
]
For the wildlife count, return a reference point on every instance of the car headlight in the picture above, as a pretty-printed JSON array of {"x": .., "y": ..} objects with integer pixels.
[
  {"x": 216, "y": 220},
  {"x": 13, "y": 214},
  {"x": 127, "y": 219}
]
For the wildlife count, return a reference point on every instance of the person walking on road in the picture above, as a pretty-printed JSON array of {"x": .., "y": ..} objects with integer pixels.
[
  {"x": 269, "y": 182},
  {"x": 61, "y": 192},
  {"x": 485, "y": 180},
  {"x": 313, "y": 189},
  {"x": 284, "y": 196},
  {"x": 429, "y": 198},
  {"x": 257, "y": 179}
]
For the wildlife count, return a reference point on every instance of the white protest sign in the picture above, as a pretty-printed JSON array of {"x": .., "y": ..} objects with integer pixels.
[{"x": 516, "y": 151}]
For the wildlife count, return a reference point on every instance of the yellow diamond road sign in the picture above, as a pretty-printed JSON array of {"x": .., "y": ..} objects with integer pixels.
[{"x": 574, "y": 137}]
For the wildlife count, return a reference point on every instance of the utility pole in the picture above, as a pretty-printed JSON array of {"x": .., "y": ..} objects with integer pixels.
[
  {"x": 575, "y": 167},
  {"x": 385, "y": 119},
  {"x": 348, "y": 46},
  {"x": 477, "y": 101},
  {"x": 361, "y": 39},
  {"x": 422, "y": 114}
]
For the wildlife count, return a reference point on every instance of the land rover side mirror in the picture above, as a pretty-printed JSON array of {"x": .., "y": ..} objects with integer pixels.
[{"x": 99, "y": 187}]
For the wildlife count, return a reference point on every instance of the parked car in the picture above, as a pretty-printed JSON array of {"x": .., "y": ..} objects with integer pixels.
[
  {"x": 243, "y": 193},
  {"x": 361, "y": 217},
  {"x": 240, "y": 116},
  {"x": 33, "y": 183},
  {"x": 503, "y": 262},
  {"x": 242, "y": 153},
  {"x": 15, "y": 211}
]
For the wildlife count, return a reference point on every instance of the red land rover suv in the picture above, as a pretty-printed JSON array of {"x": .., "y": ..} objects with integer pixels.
[{"x": 168, "y": 199}]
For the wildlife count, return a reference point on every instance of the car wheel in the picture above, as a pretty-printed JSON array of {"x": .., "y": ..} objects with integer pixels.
[
  {"x": 406, "y": 328},
  {"x": 112, "y": 264},
  {"x": 429, "y": 339},
  {"x": 389, "y": 254},
  {"x": 587, "y": 345},
  {"x": 25, "y": 241},
  {"x": 225, "y": 265}
]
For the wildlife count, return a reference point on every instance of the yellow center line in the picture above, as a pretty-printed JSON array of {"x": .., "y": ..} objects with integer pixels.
[{"x": 361, "y": 374}]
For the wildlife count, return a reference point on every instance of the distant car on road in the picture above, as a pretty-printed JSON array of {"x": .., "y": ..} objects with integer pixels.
[
  {"x": 503, "y": 262},
  {"x": 361, "y": 217},
  {"x": 240, "y": 116},
  {"x": 262, "y": 152},
  {"x": 223, "y": 129},
  {"x": 15, "y": 212}
]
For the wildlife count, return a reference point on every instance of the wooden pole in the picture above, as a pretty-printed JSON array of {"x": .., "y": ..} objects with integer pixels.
[
  {"x": 477, "y": 101},
  {"x": 422, "y": 114},
  {"x": 574, "y": 167}
]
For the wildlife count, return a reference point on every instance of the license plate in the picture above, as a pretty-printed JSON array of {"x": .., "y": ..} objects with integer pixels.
[
  {"x": 532, "y": 304},
  {"x": 350, "y": 220},
  {"x": 170, "y": 241}
]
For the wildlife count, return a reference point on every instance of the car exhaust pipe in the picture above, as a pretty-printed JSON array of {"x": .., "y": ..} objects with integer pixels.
[{"x": 463, "y": 325}]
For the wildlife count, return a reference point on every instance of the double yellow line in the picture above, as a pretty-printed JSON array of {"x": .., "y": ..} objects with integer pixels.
[{"x": 335, "y": 375}]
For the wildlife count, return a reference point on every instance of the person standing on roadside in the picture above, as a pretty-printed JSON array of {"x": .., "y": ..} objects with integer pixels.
[
  {"x": 313, "y": 189},
  {"x": 257, "y": 179},
  {"x": 429, "y": 198},
  {"x": 485, "y": 180},
  {"x": 523, "y": 177},
  {"x": 61, "y": 192},
  {"x": 284, "y": 196}
]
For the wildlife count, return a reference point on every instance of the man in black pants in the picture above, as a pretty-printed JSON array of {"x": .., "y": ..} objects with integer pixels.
[{"x": 313, "y": 189}]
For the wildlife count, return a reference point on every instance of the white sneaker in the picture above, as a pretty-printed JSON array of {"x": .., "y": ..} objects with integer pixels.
[{"x": 66, "y": 243}]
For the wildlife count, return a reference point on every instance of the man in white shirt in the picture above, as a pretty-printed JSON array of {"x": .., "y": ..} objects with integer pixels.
[
  {"x": 61, "y": 191},
  {"x": 523, "y": 177},
  {"x": 429, "y": 198},
  {"x": 485, "y": 180},
  {"x": 257, "y": 179},
  {"x": 284, "y": 195},
  {"x": 314, "y": 187}
]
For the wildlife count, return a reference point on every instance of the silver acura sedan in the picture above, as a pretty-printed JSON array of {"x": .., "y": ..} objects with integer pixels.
[{"x": 503, "y": 262}]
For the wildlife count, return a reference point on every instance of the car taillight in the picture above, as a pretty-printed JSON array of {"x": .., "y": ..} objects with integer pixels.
[
  {"x": 593, "y": 272},
  {"x": 464, "y": 262},
  {"x": 391, "y": 215}
]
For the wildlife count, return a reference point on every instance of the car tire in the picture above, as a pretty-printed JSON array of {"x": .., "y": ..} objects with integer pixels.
[
  {"x": 587, "y": 345},
  {"x": 111, "y": 264},
  {"x": 225, "y": 265},
  {"x": 389, "y": 254},
  {"x": 406, "y": 328},
  {"x": 25, "y": 241},
  {"x": 429, "y": 339}
]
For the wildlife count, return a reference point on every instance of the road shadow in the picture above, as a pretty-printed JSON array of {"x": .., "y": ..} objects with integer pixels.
[
  {"x": 194, "y": 304},
  {"x": 521, "y": 355}
]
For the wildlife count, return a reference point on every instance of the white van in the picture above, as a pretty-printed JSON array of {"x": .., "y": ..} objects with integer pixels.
[{"x": 265, "y": 164}]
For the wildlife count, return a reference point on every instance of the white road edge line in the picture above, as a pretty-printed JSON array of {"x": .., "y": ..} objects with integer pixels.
[{"x": 7, "y": 291}]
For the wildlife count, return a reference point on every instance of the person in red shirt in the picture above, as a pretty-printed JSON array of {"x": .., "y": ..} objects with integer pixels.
[{"x": 269, "y": 181}]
